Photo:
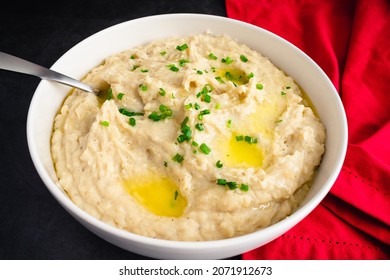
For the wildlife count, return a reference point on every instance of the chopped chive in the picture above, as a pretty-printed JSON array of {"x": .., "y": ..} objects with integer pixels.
[
  {"x": 202, "y": 113},
  {"x": 120, "y": 96},
  {"x": 212, "y": 56},
  {"x": 219, "y": 79},
  {"x": 205, "y": 149},
  {"x": 154, "y": 116},
  {"x": 178, "y": 158},
  {"x": 173, "y": 67},
  {"x": 243, "y": 58},
  {"x": 206, "y": 98},
  {"x": 143, "y": 87},
  {"x": 184, "y": 122},
  {"x": 181, "y": 138},
  {"x": 239, "y": 137},
  {"x": 196, "y": 106},
  {"x": 227, "y": 60},
  {"x": 188, "y": 106},
  {"x": 250, "y": 140},
  {"x": 127, "y": 113},
  {"x": 163, "y": 53},
  {"x": 104, "y": 123},
  {"x": 135, "y": 67},
  {"x": 283, "y": 93},
  {"x": 250, "y": 75},
  {"x": 165, "y": 163},
  {"x": 288, "y": 87},
  {"x": 195, "y": 144},
  {"x": 219, "y": 164},
  {"x": 244, "y": 187},
  {"x": 229, "y": 123},
  {"x": 144, "y": 70},
  {"x": 221, "y": 182},
  {"x": 232, "y": 185},
  {"x": 259, "y": 86},
  {"x": 199, "y": 126},
  {"x": 132, "y": 56},
  {"x": 279, "y": 121},
  {"x": 109, "y": 94},
  {"x": 182, "y": 47},
  {"x": 162, "y": 92},
  {"x": 166, "y": 112},
  {"x": 182, "y": 62},
  {"x": 218, "y": 106},
  {"x": 199, "y": 72},
  {"x": 132, "y": 121}
]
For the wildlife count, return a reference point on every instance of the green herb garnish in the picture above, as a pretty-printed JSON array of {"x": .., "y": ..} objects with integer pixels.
[
  {"x": 132, "y": 121},
  {"x": 212, "y": 56},
  {"x": 227, "y": 60},
  {"x": 243, "y": 58},
  {"x": 219, "y": 164},
  {"x": 244, "y": 187},
  {"x": 186, "y": 131},
  {"x": 178, "y": 158},
  {"x": 219, "y": 79},
  {"x": 221, "y": 182},
  {"x": 232, "y": 185},
  {"x": 173, "y": 67},
  {"x": 202, "y": 113},
  {"x": 104, "y": 123},
  {"x": 205, "y": 149},
  {"x": 199, "y": 126},
  {"x": 165, "y": 112},
  {"x": 250, "y": 140},
  {"x": 182, "y": 47},
  {"x": 143, "y": 87},
  {"x": 128, "y": 113},
  {"x": 109, "y": 94},
  {"x": 229, "y": 124},
  {"x": 120, "y": 96},
  {"x": 182, "y": 62},
  {"x": 259, "y": 86}
]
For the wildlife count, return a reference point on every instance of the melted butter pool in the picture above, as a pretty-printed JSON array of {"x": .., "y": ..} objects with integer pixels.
[
  {"x": 259, "y": 124},
  {"x": 158, "y": 194},
  {"x": 243, "y": 154}
]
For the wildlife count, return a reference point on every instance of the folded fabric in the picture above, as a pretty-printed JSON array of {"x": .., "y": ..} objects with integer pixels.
[{"x": 350, "y": 40}]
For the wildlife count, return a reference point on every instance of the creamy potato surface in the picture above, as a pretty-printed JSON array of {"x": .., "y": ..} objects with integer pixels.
[{"x": 197, "y": 138}]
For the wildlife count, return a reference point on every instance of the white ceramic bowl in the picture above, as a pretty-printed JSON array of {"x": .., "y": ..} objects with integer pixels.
[{"x": 90, "y": 52}]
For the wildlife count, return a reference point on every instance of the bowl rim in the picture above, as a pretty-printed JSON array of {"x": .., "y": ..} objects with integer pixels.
[{"x": 279, "y": 228}]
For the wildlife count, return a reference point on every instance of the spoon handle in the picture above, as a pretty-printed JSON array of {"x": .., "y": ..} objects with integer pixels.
[{"x": 16, "y": 64}]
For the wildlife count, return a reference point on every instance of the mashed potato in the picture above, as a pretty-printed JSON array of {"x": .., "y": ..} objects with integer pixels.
[{"x": 196, "y": 138}]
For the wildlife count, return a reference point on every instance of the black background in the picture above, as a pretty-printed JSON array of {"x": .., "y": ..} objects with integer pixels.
[{"x": 32, "y": 224}]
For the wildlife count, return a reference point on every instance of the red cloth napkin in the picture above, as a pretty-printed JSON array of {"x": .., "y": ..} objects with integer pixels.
[{"x": 350, "y": 40}]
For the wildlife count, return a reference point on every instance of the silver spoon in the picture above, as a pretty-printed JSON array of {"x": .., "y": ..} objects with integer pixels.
[{"x": 16, "y": 64}]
